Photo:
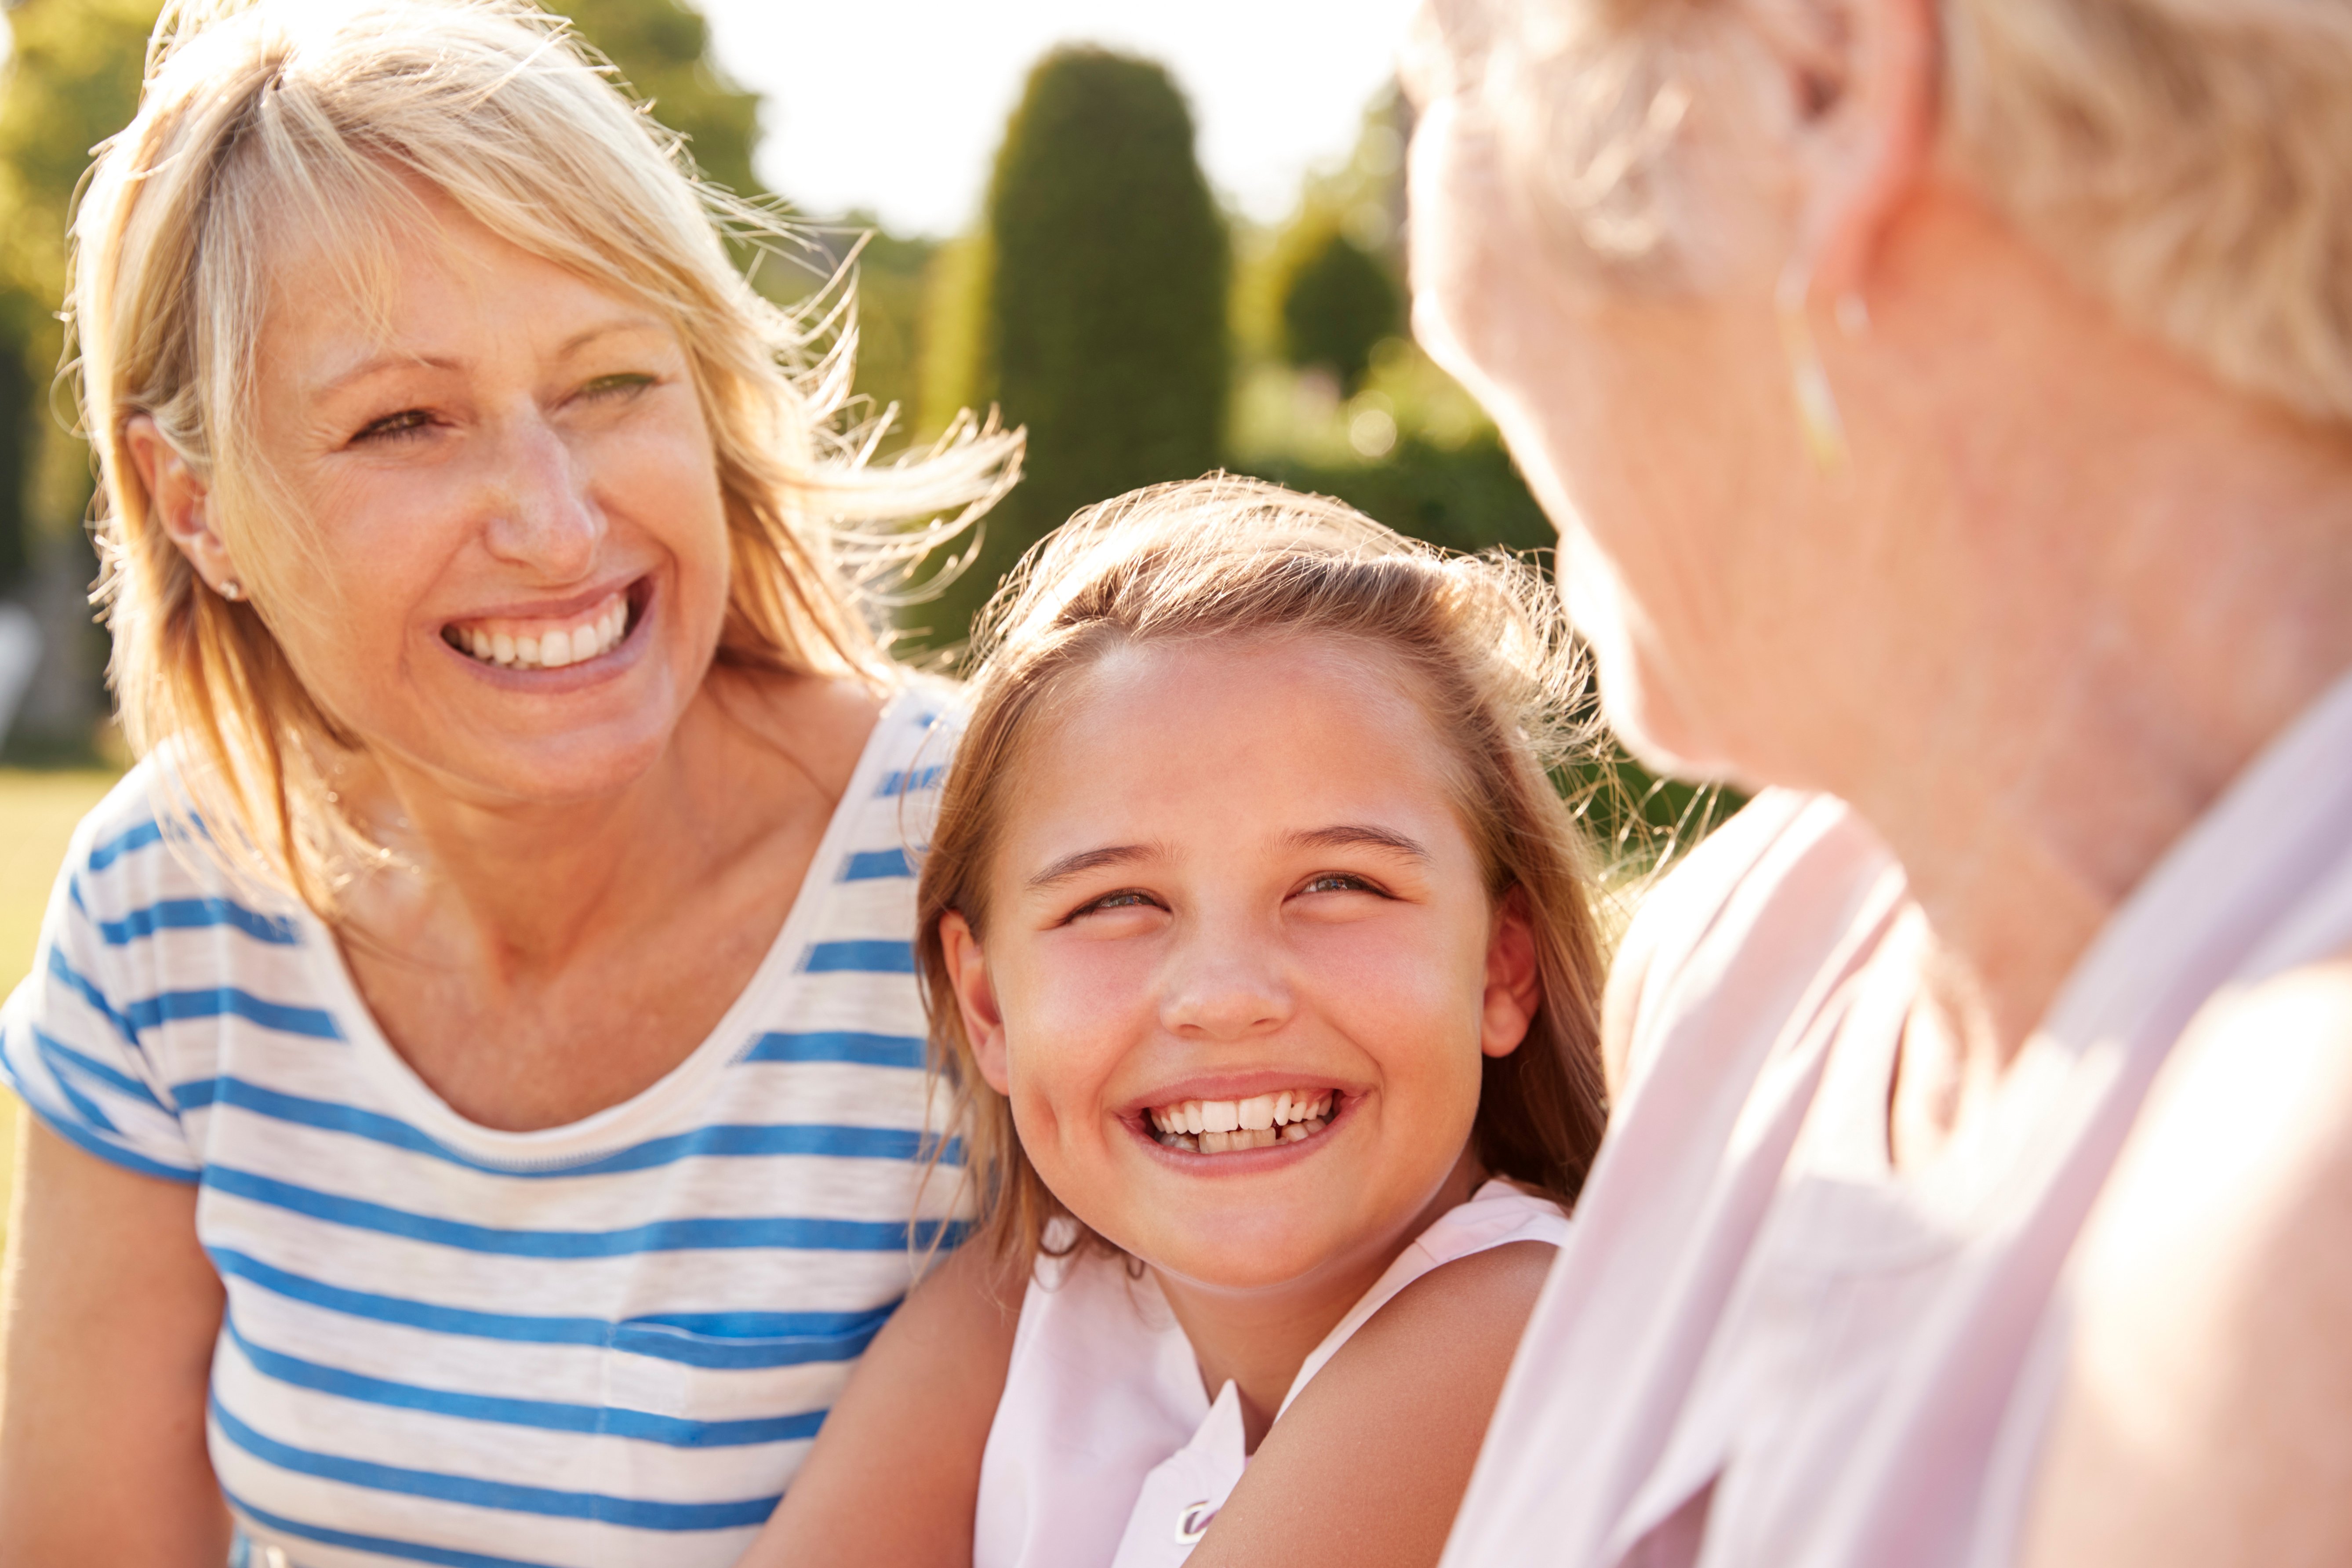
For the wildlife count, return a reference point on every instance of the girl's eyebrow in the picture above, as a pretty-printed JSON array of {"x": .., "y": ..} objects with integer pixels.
[
  {"x": 1359, "y": 836},
  {"x": 1087, "y": 860}
]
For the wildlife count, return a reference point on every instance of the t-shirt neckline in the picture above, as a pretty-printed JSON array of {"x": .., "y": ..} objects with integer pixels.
[{"x": 629, "y": 1120}]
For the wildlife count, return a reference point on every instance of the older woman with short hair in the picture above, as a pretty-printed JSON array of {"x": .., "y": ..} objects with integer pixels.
[
  {"x": 1947, "y": 411},
  {"x": 476, "y": 1054}
]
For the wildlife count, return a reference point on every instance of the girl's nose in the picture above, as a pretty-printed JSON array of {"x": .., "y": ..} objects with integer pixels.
[
  {"x": 1218, "y": 990},
  {"x": 536, "y": 492}
]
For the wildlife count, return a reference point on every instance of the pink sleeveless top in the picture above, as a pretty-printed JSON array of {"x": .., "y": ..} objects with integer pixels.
[
  {"x": 1107, "y": 1451},
  {"x": 1762, "y": 1345}
]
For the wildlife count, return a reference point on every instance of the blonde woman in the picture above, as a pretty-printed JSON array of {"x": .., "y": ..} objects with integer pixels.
[
  {"x": 1947, "y": 409},
  {"x": 477, "y": 1067}
]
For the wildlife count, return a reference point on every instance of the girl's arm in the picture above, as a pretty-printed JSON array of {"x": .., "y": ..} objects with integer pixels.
[
  {"x": 1367, "y": 1468},
  {"x": 894, "y": 1477},
  {"x": 111, "y": 1311}
]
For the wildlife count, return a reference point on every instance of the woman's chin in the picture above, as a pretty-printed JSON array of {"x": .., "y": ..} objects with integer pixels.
[
  {"x": 1648, "y": 720},
  {"x": 552, "y": 772}
]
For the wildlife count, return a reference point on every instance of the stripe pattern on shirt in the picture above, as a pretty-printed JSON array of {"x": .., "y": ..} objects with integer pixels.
[{"x": 448, "y": 1345}]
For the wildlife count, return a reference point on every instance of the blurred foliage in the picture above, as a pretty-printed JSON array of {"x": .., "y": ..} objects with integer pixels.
[
  {"x": 1468, "y": 497},
  {"x": 662, "y": 50},
  {"x": 1098, "y": 287},
  {"x": 1637, "y": 822},
  {"x": 1331, "y": 396},
  {"x": 1339, "y": 303},
  {"x": 73, "y": 81},
  {"x": 954, "y": 332},
  {"x": 894, "y": 276},
  {"x": 16, "y": 406}
]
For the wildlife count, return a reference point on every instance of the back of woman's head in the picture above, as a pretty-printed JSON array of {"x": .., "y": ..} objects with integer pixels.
[
  {"x": 2184, "y": 160},
  {"x": 1478, "y": 643},
  {"x": 309, "y": 133}
]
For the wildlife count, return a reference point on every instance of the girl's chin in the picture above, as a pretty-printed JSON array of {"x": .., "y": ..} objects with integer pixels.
[{"x": 1240, "y": 1265}]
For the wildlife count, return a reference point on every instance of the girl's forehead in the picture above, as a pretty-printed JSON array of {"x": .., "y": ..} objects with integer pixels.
[
  {"x": 1257, "y": 726},
  {"x": 1210, "y": 687}
]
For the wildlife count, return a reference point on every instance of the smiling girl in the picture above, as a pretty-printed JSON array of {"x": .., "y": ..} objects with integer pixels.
[{"x": 1259, "y": 955}]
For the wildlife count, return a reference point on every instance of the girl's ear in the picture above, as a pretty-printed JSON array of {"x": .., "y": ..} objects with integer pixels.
[
  {"x": 975, "y": 993},
  {"x": 1514, "y": 983}
]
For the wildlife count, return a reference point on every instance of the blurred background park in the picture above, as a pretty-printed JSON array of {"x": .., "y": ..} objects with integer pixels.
[{"x": 1164, "y": 243}]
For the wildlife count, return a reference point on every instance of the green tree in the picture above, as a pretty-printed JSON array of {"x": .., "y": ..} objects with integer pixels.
[
  {"x": 1104, "y": 268},
  {"x": 662, "y": 50},
  {"x": 73, "y": 81},
  {"x": 1339, "y": 303}
]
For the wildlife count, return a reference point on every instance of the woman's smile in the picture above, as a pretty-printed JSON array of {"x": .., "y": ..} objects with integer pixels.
[{"x": 593, "y": 634}]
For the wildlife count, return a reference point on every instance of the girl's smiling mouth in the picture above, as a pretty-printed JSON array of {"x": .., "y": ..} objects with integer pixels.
[{"x": 1234, "y": 1126}]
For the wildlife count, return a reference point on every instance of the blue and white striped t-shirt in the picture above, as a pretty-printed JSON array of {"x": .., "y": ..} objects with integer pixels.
[{"x": 605, "y": 1343}]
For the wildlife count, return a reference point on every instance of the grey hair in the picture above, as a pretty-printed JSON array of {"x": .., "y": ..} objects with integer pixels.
[{"x": 2184, "y": 160}]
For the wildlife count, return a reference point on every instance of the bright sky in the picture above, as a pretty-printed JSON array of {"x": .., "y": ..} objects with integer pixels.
[{"x": 896, "y": 106}]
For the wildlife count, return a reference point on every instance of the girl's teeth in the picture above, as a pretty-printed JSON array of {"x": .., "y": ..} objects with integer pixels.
[
  {"x": 1217, "y": 1126},
  {"x": 502, "y": 648},
  {"x": 555, "y": 650}
]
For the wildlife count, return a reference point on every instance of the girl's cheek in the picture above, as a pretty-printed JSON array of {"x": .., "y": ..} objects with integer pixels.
[{"x": 1071, "y": 1017}]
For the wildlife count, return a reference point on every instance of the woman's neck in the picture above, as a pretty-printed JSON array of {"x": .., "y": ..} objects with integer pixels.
[
  {"x": 530, "y": 886},
  {"x": 2121, "y": 581},
  {"x": 1258, "y": 1338}
]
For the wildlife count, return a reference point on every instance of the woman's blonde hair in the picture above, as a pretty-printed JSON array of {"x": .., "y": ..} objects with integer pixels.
[
  {"x": 1481, "y": 643},
  {"x": 337, "y": 120},
  {"x": 2185, "y": 160}
]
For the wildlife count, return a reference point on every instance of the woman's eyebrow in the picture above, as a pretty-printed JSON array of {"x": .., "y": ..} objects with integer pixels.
[
  {"x": 1359, "y": 836},
  {"x": 1087, "y": 860}
]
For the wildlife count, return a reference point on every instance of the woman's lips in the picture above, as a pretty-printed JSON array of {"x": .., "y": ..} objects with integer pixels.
[{"x": 549, "y": 642}]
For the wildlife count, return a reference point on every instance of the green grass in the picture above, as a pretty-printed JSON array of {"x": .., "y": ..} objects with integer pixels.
[{"x": 38, "y": 811}]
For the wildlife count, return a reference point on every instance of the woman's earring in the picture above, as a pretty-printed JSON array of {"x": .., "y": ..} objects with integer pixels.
[
  {"x": 1817, "y": 409},
  {"x": 231, "y": 589}
]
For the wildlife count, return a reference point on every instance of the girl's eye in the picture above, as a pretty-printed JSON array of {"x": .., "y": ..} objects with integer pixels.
[
  {"x": 1337, "y": 882},
  {"x": 407, "y": 422},
  {"x": 1126, "y": 900}
]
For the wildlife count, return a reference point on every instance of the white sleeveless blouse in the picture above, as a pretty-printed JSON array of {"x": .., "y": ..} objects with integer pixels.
[
  {"x": 1763, "y": 1346},
  {"x": 1107, "y": 1451}
]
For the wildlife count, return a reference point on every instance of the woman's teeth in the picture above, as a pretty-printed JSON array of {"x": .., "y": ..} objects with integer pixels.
[
  {"x": 542, "y": 645},
  {"x": 1222, "y": 1126}
]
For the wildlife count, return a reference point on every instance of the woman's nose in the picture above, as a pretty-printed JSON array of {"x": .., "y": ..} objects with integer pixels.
[
  {"x": 541, "y": 513},
  {"x": 1224, "y": 987}
]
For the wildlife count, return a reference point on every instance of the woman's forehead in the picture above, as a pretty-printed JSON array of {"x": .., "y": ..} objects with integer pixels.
[{"x": 430, "y": 289}]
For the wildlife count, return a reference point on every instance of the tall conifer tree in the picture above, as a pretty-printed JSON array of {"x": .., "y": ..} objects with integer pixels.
[{"x": 1101, "y": 284}]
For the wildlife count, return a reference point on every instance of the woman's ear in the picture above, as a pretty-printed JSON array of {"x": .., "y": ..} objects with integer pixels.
[
  {"x": 1514, "y": 980},
  {"x": 1861, "y": 78},
  {"x": 975, "y": 993},
  {"x": 178, "y": 500}
]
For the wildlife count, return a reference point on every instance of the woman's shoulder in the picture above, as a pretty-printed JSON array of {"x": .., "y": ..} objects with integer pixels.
[
  {"x": 145, "y": 840},
  {"x": 1772, "y": 892},
  {"x": 2207, "y": 1299}
]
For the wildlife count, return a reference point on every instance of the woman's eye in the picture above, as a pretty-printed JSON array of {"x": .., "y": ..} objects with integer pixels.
[
  {"x": 1337, "y": 882},
  {"x": 607, "y": 386},
  {"x": 408, "y": 421}
]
